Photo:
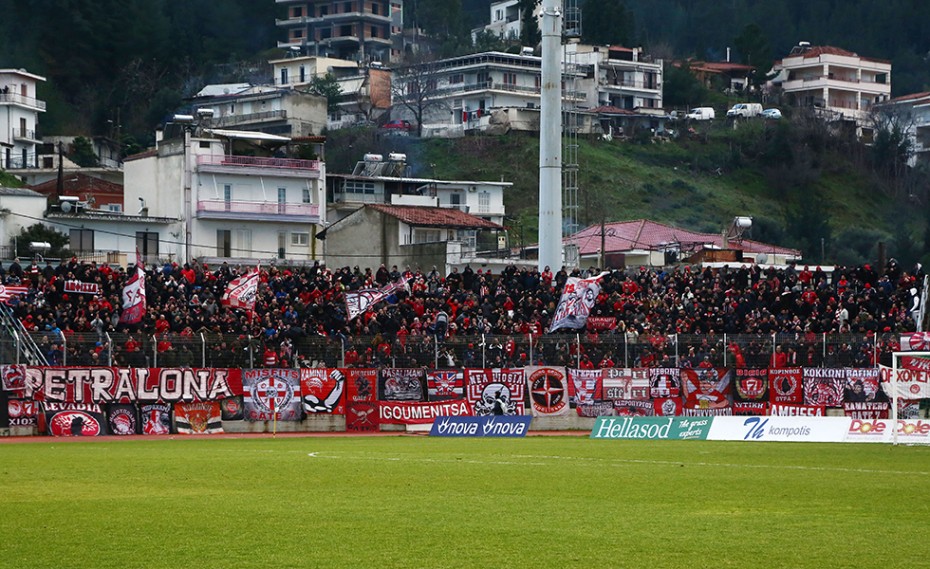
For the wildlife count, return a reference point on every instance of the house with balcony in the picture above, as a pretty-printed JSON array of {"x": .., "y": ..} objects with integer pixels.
[
  {"x": 498, "y": 92},
  {"x": 835, "y": 83},
  {"x": 386, "y": 180},
  {"x": 409, "y": 236},
  {"x": 911, "y": 113},
  {"x": 357, "y": 30},
  {"x": 283, "y": 111},
  {"x": 506, "y": 20},
  {"x": 19, "y": 119},
  {"x": 213, "y": 195},
  {"x": 365, "y": 90}
]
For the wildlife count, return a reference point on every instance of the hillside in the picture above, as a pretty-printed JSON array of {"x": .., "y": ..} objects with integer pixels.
[{"x": 800, "y": 185}]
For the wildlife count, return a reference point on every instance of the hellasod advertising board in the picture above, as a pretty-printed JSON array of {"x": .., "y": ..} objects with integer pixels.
[{"x": 671, "y": 428}]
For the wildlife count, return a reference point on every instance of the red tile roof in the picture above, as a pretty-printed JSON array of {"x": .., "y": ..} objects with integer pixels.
[
  {"x": 434, "y": 217},
  {"x": 818, "y": 50},
  {"x": 610, "y": 110},
  {"x": 75, "y": 184},
  {"x": 911, "y": 97},
  {"x": 643, "y": 234}
]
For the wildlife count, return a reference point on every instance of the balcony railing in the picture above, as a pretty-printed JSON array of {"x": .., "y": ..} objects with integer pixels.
[
  {"x": 24, "y": 133},
  {"x": 259, "y": 209},
  {"x": 232, "y": 120},
  {"x": 22, "y": 100},
  {"x": 259, "y": 162}
]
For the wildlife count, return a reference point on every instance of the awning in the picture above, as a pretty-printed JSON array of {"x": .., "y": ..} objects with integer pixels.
[{"x": 247, "y": 135}]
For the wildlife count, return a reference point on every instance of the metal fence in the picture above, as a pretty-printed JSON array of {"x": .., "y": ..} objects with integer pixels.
[{"x": 485, "y": 351}]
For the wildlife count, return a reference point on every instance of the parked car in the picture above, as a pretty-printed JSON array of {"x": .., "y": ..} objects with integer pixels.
[
  {"x": 773, "y": 114},
  {"x": 701, "y": 114},
  {"x": 398, "y": 125},
  {"x": 745, "y": 110}
]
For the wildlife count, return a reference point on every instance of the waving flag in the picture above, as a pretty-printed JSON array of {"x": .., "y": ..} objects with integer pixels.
[
  {"x": 578, "y": 298},
  {"x": 134, "y": 296},
  {"x": 359, "y": 301},
  {"x": 7, "y": 292},
  {"x": 241, "y": 291}
]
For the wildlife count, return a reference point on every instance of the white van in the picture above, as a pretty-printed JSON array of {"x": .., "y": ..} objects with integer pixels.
[
  {"x": 745, "y": 110},
  {"x": 701, "y": 114}
]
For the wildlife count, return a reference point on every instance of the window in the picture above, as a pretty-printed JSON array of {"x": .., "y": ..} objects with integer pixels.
[
  {"x": 297, "y": 11},
  {"x": 205, "y": 144},
  {"x": 82, "y": 240},
  {"x": 227, "y": 196},
  {"x": 284, "y": 76},
  {"x": 115, "y": 207},
  {"x": 538, "y": 81},
  {"x": 147, "y": 245},
  {"x": 223, "y": 243},
  {"x": 375, "y": 8},
  {"x": 303, "y": 74},
  {"x": 282, "y": 200},
  {"x": 232, "y": 108},
  {"x": 300, "y": 239},
  {"x": 243, "y": 241},
  {"x": 282, "y": 241},
  {"x": 484, "y": 202},
  {"x": 305, "y": 196},
  {"x": 356, "y": 187},
  {"x": 510, "y": 78},
  {"x": 456, "y": 78},
  {"x": 427, "y": 236}
]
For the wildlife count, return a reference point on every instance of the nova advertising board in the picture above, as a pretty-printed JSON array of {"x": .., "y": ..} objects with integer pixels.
[
  {"x": 796, "y": 429},
  {"x": 484, "y": 426},
  {"x": 671, "y": 428}
]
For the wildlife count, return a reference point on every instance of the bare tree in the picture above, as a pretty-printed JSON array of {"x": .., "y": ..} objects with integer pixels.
[{"x": 415, "y": 88}]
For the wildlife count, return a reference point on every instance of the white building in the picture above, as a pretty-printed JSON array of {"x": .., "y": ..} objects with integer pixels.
[
  {"x": 19, "y": 208},
  {"x": 834, "y": 81},
  {"x": 198, "y": 195},
  {"x": 506, "y": 19},
  {"x": 912, "y": 114},
  {"x": 464, "y": 93},
  {"x": 273, "y": 110},
  {"x": 379, "y": 181},
  {"x": 19, "y": 119}
]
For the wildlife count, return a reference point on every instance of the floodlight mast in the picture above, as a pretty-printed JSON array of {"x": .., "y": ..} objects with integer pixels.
[{"x": 550, "y": 139}]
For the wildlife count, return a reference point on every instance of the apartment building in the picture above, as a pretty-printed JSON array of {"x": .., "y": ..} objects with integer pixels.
[{"x": 19, "y": 119}]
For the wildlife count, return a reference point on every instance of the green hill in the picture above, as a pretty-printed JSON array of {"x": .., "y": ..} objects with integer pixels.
[{"x": 800, "y": 183}]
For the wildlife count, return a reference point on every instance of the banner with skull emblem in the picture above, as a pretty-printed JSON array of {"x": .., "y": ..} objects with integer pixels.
[{"x": 498, "y": 391}]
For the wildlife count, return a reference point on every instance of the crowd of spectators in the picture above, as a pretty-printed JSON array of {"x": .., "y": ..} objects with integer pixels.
[{"x": 442, "y": 317}]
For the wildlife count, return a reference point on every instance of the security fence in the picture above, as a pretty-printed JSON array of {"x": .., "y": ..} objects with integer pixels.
[{"x": 484, "y": 351}]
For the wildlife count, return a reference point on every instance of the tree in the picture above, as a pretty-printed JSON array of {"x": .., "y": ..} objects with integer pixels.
[
  {"x": 326, "y": 86},
  {"x": 415, "y": 88},
  {"x": 530, "y": 35},
  {"x": 681, "y": 88},
  {"x": 38, "y": 233},
  {"x": 754, "y": 49},
  {"x": 607, "y": 22},
  {"x": 82, "y": 153}
]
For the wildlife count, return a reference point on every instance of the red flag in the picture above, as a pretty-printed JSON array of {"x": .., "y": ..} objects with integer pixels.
[
  {"x": 134, "y": 296},
  {"x": 241, "y": 291},
  {"x": 7, "y": 292}
]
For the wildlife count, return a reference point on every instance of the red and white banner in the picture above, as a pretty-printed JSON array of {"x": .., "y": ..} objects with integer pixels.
[
  {"x": 445, "y": 384},
  {"x": 8, "y": 292},
  {"x": 359, "y": 301},
  {"x": 913, "y": 378},
  {"x": 785, "y": 410},
  {"x": 577, "y": 300},
  {"x": 271, "y": 394},
  {"x": 74, "y": 420},
  {"x": 915, "y": 342},
  {"x": 548, "y": 390},
  {"x": 584, "y": 386},
  {"x": 361, "y": 407},
  {"x": 134, "y": 304},
  {"x": 498, "y": 391},
  {"x": 203, "y": 418},
  {"x": 633, "y": 408},
  {"x": 22, "y": 412},
  {"x": 750, "y": 407},
  {"x": 706, "y": 389},
  {"x": 78, "y": 287},
  {"x": 323, "y": 390},
  {"x": 824, "y": 386},
  {"x": 125, "y": 385},
  {"x": 664, "y": 382},
  {"x": 867, "y": 410},
  {"x": 601, "y": 323},
  {"x": 785, "y": 385},
  {"x": 751, "y": 384},
  {"x": 401, "y": 413},
  {"x": 242, "y": 291},
  {"x": 626, "y": 383}
]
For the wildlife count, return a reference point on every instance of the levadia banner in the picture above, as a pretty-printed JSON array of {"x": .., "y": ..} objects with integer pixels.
[{"x": 486, "y": 426}]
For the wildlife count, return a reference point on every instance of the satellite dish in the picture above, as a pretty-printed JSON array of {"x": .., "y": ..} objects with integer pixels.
[
  {"x": 762, "y": 258},
  {"x": 66, "y": 207}
]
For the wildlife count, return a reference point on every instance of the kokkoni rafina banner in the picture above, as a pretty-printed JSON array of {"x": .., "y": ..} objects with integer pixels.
[{"x": 824, "y": 386}]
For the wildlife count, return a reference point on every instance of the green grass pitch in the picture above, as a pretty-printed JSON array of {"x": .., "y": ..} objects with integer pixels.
[{"x": 418, "y": 502}]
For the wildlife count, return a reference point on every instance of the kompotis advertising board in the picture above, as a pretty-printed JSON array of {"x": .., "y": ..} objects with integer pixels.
[
  {"x": 666, "y": 428},
  {"x": 271, "y": 394},
  {"x": 402, "y": 413},
  {"x": 499, "y": 391},
  {"x": 127, "y": 385},
  {"x": 785, "y": 429},
  {"x": 548, "y": 390},
  {"x": 74, "y": 419}
]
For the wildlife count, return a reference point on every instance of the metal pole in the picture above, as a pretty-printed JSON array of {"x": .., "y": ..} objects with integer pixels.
[
  {"x": 823, "y": 362},
  {"x": 483, "y": 362},
  {"x": 550, "y": 139},
  {"x": 109, "y": 349},
  {"x": 531, "y": 349},
  {"x": 64, "y": 350},
  {"x": 18, "y": 346},
  {"x": 436, "y": 353},
  {"x": 626, "y": 351},
  {"x": 894, "y": 398},
  {"x": 678, "y": 363},
  {"x": 577, "y": 351},
  {"x": 725, "y": 349},
  {"x": 203, "y": 351},
  {"x": 251, "y": 355},
  {"x": 155, "y": 350},
  {"x": 342, "y": 353}
]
